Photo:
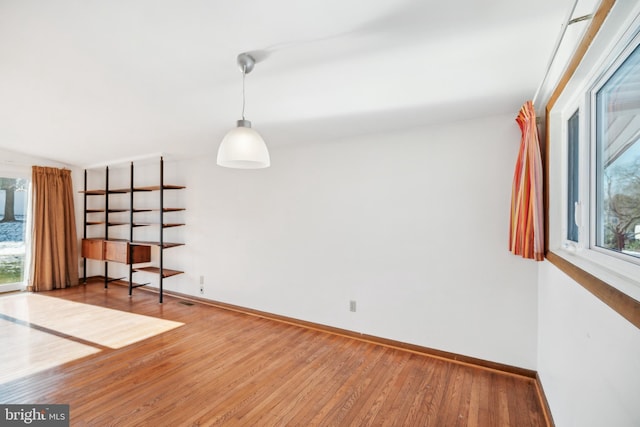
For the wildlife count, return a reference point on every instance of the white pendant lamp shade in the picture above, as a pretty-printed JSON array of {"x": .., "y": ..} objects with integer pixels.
[{"x": 243, "y": 148}]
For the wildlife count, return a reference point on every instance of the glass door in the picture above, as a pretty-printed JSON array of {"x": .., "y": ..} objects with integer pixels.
[{"x": 14, "y": 201}]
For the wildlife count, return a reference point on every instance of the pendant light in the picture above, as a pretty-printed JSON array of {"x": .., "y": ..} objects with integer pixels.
[{"x": 242, "y": 147}]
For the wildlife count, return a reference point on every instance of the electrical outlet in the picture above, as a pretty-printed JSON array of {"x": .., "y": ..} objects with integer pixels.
[
  {"x": 352, "y": 306},
  {"x": 201, "y": 285}
]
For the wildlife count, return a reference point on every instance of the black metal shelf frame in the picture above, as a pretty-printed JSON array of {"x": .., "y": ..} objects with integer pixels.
[{"x": 161, "y": 271}]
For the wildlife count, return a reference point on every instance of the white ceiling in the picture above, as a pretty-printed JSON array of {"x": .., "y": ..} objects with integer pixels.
[{"x": 94, "y": 81}]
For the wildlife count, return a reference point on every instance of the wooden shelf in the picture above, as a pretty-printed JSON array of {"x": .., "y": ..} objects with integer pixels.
[
  {"x": 128, "y": 190},
  {"x": 103, "y": 192},
  {"x": 166, "y": 225},
  {"x": 158, "y": 210},
  {"x": 121, "y": 251},
  {"x": 157, "y": 187},
  {"x": 165, "y": 272},
  {"x": 102, "y": 210},
  {"x": 165, "y": 245},
  {"x": 134, "y": 285},
  {"x": 129, "y": 251}
]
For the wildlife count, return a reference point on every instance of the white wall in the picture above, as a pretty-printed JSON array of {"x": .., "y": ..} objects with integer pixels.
[
  {"x": 589, "y": 356},
  {"x": 413, "y": 226}
]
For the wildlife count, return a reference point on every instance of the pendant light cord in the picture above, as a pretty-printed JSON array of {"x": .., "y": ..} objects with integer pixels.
[{"x": 244, "y": 73}]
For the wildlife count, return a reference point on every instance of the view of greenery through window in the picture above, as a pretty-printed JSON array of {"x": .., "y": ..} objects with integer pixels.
[
  {"x": 13, "y": 209},
  {"x": 618, "y": 178}
]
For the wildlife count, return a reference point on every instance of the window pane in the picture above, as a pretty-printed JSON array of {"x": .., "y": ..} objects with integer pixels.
[
  {"x": 572, "y": 176},
  {"x": 618, "y": 159},
  {"x": 13, "y": 210}
]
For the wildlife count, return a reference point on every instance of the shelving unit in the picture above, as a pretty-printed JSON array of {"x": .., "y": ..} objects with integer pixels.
[{"x": 129, "y": 251}]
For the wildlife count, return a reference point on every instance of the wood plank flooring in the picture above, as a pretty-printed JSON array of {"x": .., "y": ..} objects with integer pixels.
[{"x": 227, "y": 368}]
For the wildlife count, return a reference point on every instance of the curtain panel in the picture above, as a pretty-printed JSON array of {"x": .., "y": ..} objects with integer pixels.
[
  {"x": 526, "y": 234},
  {"x": 54, "y": 261}
]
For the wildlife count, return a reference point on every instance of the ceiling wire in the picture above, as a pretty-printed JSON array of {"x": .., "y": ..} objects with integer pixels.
[
  {"x": 581, "y": 18},
  {"x": 565, "y": 24}
]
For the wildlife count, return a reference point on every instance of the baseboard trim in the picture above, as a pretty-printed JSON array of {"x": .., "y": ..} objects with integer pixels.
[
  {"x": 544, "y": 403},
  {"x": 426, "y": 351}
]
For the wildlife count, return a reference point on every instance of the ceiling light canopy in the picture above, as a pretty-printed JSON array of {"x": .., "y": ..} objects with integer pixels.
[{"x": 242, "y": 147}]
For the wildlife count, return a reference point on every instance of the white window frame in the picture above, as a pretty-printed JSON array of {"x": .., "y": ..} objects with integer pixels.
[
  {"x": 23, "y": 172},
  {"x": 595, "y": 88},
  {"x": 619, "y": 35}
]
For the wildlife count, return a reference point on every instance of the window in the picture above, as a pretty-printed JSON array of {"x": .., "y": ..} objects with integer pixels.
[
  {"x": 617, "y": 169},
  {"x": 573, "y": 176},
  {"x": 593, "y": 129},
  {"x": 13, "y": 225}
]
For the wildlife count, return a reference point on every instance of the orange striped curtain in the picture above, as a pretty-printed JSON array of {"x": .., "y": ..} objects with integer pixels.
[{"x": 526, "y": 235}]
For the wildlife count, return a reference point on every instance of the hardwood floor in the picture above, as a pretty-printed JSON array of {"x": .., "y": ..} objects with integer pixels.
[{"x": 227, "y": 368}]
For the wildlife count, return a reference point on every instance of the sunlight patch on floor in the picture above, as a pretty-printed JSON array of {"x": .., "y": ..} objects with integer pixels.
[
  {"x": 39, "y": 332},
  {"x": 27, "y": 351},
  {"x": 103, "y": 326}
]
